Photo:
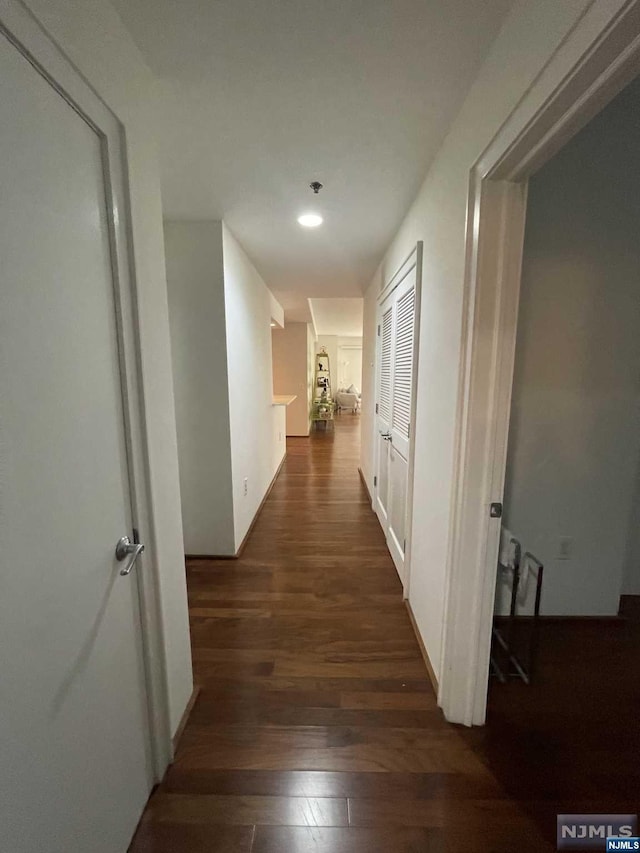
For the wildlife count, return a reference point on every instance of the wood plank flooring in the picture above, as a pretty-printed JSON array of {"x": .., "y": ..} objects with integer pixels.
[
  {"x": 316, "y": 728},
  {"x": 570, "y": 742}
]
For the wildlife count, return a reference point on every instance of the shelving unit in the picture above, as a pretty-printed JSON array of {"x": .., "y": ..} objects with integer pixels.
[
  {"x": 514, "y": 644},
  {"x": 323, "y": 406}
]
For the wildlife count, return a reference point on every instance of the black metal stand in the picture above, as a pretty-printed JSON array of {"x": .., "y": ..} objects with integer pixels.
[{"x": 505, "y": 662}]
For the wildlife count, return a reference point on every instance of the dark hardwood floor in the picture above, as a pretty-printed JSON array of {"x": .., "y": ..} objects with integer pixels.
[
  {"x": 317, "y": 730},
  {"x": 570, "y": 742}
]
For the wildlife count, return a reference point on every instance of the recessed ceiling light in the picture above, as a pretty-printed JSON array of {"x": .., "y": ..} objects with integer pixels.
[{"x": 310, "y": 220}]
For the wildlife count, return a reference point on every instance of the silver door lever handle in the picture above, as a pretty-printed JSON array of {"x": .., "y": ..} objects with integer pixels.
[
  {"x": 386, "y": 436},
  {"x": 126, "y": 548}
]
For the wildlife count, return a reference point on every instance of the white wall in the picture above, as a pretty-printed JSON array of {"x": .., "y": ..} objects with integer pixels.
[
  {"x": 255, "y": 444},
  {"x": 93, "y": 37},
  {"x": 228, "y": 430},
  {"x": 312, "y": 347},
  {"x": 276, "y": 311},
  {"x": 369, "y": 355},
  {"x": 279, "y": 431},
  {"x": 290, "y": 373},
  {"x": 349, "y": 363},
  {"x": 531, "y": 34},
  {"x": 574, "y": 442},
  {"x": 631, "y": 572},
  {"x": 199, "y": 355}
]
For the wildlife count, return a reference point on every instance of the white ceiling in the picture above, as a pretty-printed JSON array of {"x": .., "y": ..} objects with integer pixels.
[
  {"x": 338, "y": 316},
  {"x": 260, "y": 97}
]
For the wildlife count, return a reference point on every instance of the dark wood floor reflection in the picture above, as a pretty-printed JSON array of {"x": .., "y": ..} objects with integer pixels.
[{"x": 316, "y": 730}]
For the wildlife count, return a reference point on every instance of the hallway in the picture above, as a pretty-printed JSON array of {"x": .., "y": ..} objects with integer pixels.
[{"x": 316, "y": 728}]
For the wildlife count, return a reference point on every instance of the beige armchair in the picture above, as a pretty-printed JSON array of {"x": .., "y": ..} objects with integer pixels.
[{"x": 348, "y": 400}]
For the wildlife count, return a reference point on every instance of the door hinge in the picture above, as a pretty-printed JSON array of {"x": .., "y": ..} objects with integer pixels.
[
  {"x": 378, "y": 329},
  {"x": 375, "y": 481},
  {"x": 409, "y": 431},
  {"x": 495, "y": 510},
  {"x": 404, "y": 546},
  {"x": 376, "y": 408}
]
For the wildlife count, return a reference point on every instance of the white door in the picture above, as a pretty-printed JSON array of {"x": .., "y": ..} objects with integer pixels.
[
  {"x": 73, "y": 719},
  {"x": 394, "y": 413}
]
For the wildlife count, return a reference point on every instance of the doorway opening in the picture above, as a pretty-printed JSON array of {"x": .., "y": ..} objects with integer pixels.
[
  {"x": 545, "y": 741},
  {"x": 560, "y": 102},
  {"x": 572, "y": 484},
  {"x": 318, "y": 362}
]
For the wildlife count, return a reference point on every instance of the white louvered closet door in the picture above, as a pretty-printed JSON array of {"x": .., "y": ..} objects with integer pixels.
[
  {"x": 395, "y": 404},
  {"x": 403, "y": 366}
]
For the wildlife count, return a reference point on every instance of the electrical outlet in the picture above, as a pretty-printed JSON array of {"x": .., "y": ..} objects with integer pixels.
[
  {"x": 565, "y": 548},
  {"x": 246, "y": 485}
]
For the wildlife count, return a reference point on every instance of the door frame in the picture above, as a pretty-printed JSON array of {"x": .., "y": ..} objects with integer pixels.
[
  {"x": 413, "y": 259},
  {"x": 596, "y": 60},
  {"x": 23, "y": 30}
]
